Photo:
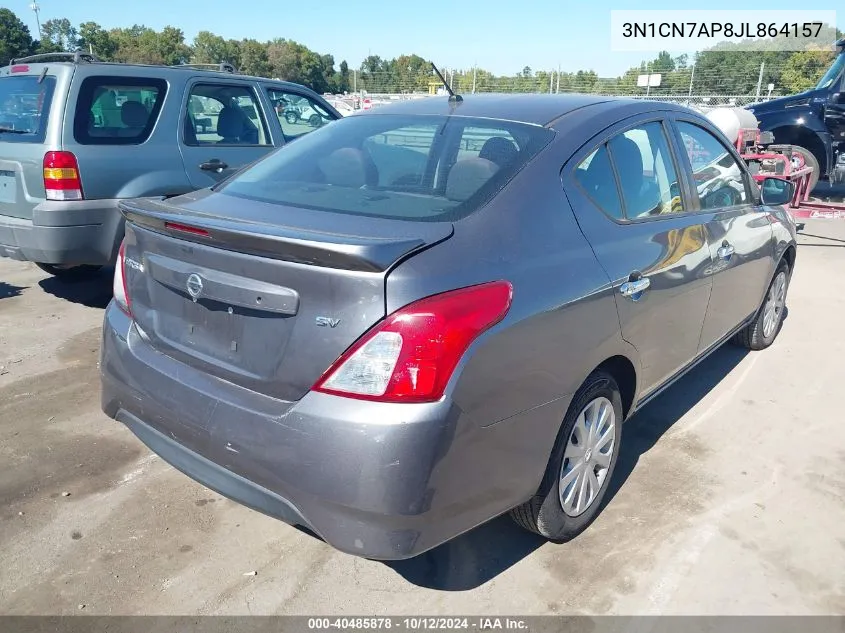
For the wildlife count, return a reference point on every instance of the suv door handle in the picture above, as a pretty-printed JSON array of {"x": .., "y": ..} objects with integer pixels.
[
  {"x": 633, "y": 289},
  {"x": 725, "y": 251},
  {"x": 215, "y": 164}
]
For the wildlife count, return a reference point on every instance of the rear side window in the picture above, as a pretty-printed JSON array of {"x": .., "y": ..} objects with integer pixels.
[
  {"x": 417, "y": 168},
  {"x": 595, "y": 175},
  {"x": 24, "y": 107},
  {"x": 117, "y": 110}
]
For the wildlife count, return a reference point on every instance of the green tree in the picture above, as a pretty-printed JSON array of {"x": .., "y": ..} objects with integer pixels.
[
  {"x": 93, "y": 37},
  {"x": 58, "y": 34},
  {"x": 254, "y": 58},
  {"x": 143, "y": 45},
  {"x": 803, "y": 70},
  {"x": 212, "y": 49},
  {"x": 15, "y": 40}
]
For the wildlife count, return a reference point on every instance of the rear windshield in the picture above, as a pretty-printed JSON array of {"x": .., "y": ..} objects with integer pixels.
[
  {"x": 418, "y": 168},
  {"x": 24, "y": 107}
]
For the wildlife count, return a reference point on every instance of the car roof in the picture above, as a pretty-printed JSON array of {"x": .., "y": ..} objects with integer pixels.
[
  {"x": 95, "y": 67},
  {"x": 535, "y": 109}
]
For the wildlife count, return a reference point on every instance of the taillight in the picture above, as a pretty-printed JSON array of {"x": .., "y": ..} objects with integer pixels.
[
  {"x": 61, "y": 176},
  {"x": 410, "y": 356},
  {"x": 119, "y": 287}
]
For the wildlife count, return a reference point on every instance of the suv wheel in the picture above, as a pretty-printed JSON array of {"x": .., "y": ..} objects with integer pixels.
[
  {"x": 291, "y": 117},
  {"x": 315, "y": 120},
  {"x": 581, "y": 466},
  {"x": 70, "y": 273}
]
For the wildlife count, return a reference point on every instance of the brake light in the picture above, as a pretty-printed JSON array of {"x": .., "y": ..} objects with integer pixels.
[
  {"x": 411, "y": 355},
  {"x": 61, "y": 176},
  {"x": 20, "y": 68},
  {"x": 184, "y": 228},
  {"x": 119, "y": 287}
]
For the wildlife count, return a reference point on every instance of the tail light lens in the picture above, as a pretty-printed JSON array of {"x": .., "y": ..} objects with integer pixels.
[
  {"x": 61, "y": 176},
  {"x": 119, "y": 287},
  {"x": 410, "y": 356}
]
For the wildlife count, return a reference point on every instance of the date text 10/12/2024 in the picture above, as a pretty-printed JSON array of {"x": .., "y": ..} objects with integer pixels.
[{"x": 417, "y": 623}]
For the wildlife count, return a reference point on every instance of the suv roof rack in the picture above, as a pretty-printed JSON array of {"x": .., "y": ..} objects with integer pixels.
[
  {"x": 223, "y": 67},
  {"x": 75, "y": 57}
]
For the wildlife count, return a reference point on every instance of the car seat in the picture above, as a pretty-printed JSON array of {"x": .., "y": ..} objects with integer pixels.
[
  {"x": 230, "y": 126},
  {"x": 499, "y": 150}
]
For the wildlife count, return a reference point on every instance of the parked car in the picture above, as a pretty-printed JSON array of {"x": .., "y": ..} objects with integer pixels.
[
  {"x": 343, "y": 107},
  {"x": 391, "y": 331},
  {"x": 812, "y": 121},
  {"x": 78, "y": 135}
]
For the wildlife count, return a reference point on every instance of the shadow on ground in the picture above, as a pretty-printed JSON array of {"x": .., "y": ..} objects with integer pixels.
[
  {"x": 93, "y": 292},
  {"x": 485, "y": 552},
  {"x": 10, "y": 290}
]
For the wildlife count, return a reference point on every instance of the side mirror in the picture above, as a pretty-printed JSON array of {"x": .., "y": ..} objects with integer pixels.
[
  {"x": 837, "y": 98},
  {"x": 776, "y": 191}
]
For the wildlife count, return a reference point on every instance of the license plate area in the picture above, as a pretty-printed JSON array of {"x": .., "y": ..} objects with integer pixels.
[{"x": 8, "y": 187}]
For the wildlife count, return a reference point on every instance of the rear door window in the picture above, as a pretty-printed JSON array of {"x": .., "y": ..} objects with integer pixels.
[
  {"x": 117, "y": 110},
  {"x": 224, "y": 114},
  {"x": 24, "y": 107},
  {"x": 297, "y": 113}
]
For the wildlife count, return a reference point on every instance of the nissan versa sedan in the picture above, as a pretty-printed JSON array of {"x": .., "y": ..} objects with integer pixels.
[{"x": 409, "y": 322}]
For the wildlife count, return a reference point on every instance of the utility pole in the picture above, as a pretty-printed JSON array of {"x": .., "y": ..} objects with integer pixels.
[
  {"x": 760, "y": 78},
  {"x": 551, "y": 81},
  {"x": 557, "y": 88},
  {"x": 35, "y": 8},
  {"x": 452, "y": 79},
  {"x": 691, "y": 77},
  {"x": 474, "y": 70}
]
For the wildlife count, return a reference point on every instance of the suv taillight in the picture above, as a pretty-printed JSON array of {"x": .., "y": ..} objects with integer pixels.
[
  {"x": 410, "y": 356},
  {"x": 119, "y": 287},
  {"x": 61, "y": 176}
]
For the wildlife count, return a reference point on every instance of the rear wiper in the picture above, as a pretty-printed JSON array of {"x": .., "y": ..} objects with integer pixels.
[{"x": 8, "y": 130}]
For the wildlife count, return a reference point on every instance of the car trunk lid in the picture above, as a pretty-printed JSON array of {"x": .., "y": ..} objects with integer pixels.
[{"x": 265, "y": 305}]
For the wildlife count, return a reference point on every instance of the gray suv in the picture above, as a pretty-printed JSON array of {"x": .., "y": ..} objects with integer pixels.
[{"x": 77, "y": 135}]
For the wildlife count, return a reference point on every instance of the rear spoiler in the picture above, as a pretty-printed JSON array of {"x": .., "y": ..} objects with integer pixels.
[{"x": 346, "y": 252}]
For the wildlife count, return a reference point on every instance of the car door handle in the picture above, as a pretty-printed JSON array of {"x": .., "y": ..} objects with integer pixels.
[
  {"x": 634, "y": 288},
  {"x": 214, "y": 165},
  {"x": 725, "y": 251}
]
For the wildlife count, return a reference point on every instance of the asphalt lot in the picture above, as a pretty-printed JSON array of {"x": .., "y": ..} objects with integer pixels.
[{"x": 733, "y": 499}]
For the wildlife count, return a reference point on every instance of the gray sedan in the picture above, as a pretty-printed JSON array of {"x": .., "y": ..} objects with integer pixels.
[{"x": 409, "y": 322}]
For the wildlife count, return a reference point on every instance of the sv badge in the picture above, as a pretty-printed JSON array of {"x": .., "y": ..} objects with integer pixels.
[{"x": 327, "y": 322}]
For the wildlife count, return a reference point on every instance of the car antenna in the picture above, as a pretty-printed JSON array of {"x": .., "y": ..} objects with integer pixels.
[{"x": 453, "y": 98}]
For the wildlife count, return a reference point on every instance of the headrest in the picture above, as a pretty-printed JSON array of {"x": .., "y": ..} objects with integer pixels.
[
  {"x": 468, "y": 176},
  {"x": 230, "y": 123},
  {"x": 349, "y": 167},
  {"x": 134, "y": 114}
]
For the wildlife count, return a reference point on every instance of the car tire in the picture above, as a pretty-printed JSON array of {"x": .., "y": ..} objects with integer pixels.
[
  {"x": 810, "y": 161},
  {"x": 544, "y": 513},
  {"x": 291, "y": 118},
  {"x": 315, "y": 120},
  {"x": 70, "y": 273},
  {"x": 765, "y": 327}
]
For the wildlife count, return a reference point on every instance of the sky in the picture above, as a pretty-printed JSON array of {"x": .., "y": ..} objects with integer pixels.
[{"x": 502, "y": 36}]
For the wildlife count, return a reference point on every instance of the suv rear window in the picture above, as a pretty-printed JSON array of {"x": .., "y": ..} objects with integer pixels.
[
  {"x": 25, "y": 107},
  {"x": 419, "y": 168},
  {"x": 117, "y": 110}
]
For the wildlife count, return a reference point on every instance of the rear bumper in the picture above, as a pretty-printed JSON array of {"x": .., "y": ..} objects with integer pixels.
[
  {"x": 73, "y": 232},
  {"x": 375, "y": 480}
]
